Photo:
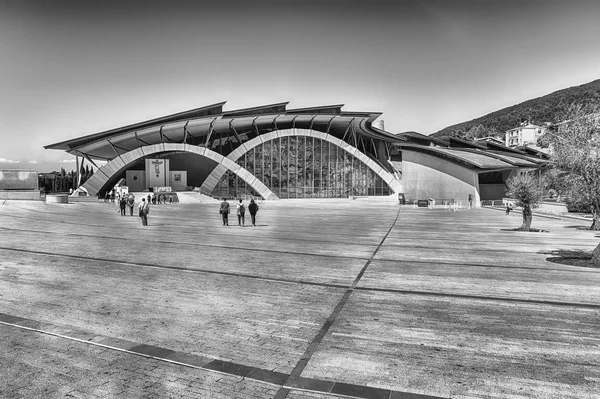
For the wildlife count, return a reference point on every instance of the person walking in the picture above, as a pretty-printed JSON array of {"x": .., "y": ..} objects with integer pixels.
[
  {"x": 253, "y": 208},
  {"x": 241, "y": 212},
  {"x": 144, "y": 209},
  {"x": 131, "y": 203},
  {"x": 224, "y": 211},
  {"x": 123, "y": 205}
]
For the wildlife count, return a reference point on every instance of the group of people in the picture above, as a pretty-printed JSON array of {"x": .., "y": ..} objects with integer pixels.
[
  {"x": 125, "y": 202},
  {"x": 128, "y": 201},
  {"x": 224, "y": 210}
]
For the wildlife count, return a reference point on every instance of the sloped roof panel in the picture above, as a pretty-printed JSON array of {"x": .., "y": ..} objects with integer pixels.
[{"x": 484, "y": 161}]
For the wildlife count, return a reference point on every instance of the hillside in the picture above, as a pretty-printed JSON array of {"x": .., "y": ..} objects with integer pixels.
[{"x": 548, "y": 108}]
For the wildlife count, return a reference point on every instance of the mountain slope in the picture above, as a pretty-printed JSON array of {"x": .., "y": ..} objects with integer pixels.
[{"x": 548, "y": 108}]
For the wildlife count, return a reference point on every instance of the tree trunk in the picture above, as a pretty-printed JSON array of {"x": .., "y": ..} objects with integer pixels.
[
  {"x": 596, "y": 256},
  {"x": 595, "y": 221},
  {"x": 527, "y": 217}
]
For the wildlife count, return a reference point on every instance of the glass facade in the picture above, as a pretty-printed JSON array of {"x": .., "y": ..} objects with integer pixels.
[{"x": 303, "y": 167}]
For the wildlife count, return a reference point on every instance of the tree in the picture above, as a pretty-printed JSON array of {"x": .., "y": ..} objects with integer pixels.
[
  {"x": 576, "y": 151},
  {"x": 555, "y": 181},
  {"x": 525, "y": 189}
]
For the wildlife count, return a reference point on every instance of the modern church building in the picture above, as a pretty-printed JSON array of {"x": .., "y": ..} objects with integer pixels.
[{"x": 278, "y": 153}]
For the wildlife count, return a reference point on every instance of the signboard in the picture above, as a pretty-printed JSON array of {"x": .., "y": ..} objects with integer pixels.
[
  {"x": 157, "y": 172},
  {"x": 178, "y": 180},
  {"x": 422, "y": 203},
  {"x": 14, "y": 179}
]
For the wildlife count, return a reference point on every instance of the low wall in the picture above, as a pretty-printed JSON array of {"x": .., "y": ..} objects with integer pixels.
[
  {"x": 29, "y": 195},
  {"x": 556, "y": 207},
  {"x": 57, "y": 198}
]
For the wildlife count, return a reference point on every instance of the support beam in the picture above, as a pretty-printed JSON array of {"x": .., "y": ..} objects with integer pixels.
[
  {"x": 348, "y": 129},
  {"x": 235, "y": 133},
  {"x": 211, "y": 127},
  {"x": 294, "y": 121},
  {"x": 141, "y": 141},
  {"x": 185, "y": 132},
  {"x": 90, "y": 160},
  {"x": 310, "y": 126},
  {"x": 255, "y": 127},
  {"x": 113, "y": 147},
  {"x": 78, "y": 174},
  {"x": 329, "y": 124},
  {"x": 168, "y": 138}
]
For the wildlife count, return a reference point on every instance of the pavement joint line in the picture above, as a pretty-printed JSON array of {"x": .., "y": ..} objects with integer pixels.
[
  {"x": 179, "y": 268},
  {"x": 312, "y": 347},
  {"x": 273, "y": 378},
  {"x": 486, "y": 250},
  {"x": 484, "y": 298},
  {"x": 338, "y": 286},
  {"x": 195, "y": 244},
  {"x": 579, "y": 270},
  {"x": 296, "y": 253}
]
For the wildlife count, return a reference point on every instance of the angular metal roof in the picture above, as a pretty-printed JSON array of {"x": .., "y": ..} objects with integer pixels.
[{"x": 204, "y": 121}]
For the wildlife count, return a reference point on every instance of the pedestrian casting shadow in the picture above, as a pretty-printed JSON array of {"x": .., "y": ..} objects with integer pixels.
[
  {"x": 570, "y": 257},
  {"x": 530, "y": 230}
]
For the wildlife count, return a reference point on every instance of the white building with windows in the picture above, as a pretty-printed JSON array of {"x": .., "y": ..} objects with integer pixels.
[{"x": 526, "y": 133}]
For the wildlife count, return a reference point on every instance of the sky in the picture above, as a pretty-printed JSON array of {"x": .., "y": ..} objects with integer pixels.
[{"x": 72, "y": 68}]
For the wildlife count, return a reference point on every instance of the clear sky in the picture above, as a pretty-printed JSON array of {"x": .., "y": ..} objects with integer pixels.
[{"x": 71, "y": 68}]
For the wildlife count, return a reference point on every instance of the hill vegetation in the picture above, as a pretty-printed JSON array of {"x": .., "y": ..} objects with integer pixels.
[{"x": 548, "y": 108}]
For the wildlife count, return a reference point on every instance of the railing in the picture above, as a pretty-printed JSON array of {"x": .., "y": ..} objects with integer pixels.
[{"x": 492, "y": 203}]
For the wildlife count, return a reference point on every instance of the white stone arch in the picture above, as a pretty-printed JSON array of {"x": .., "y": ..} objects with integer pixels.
[
  {"x": 99, "y": 179},
  {"x": 211, "y": 182}
]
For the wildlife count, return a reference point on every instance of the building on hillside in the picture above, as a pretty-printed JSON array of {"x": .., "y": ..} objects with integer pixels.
[
  {"x": 277, "y": 153},
  {"x": 525, "y": 133}
]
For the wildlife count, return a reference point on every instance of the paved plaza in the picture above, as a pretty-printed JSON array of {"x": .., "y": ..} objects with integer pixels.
[{"x": 322, "y": 299}]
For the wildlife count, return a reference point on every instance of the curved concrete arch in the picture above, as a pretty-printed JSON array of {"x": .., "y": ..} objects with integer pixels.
[
  {"x": 99, "y": 179},
  {"x": 211, "y": 182}
]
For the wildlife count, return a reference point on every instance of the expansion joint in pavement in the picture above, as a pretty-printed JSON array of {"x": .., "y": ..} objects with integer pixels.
[{"x": 295, "y": 374}]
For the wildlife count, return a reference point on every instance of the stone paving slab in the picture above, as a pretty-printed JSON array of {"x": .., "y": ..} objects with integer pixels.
[
  {"x": 286, "y": 382},
  {"x": 276, "y": 265},
  {"x": 462, "y": 348},
  {"x": 579, "y": 286},
  {"x": 261, "y": 323},
  {"x": 47, "y": 366}
]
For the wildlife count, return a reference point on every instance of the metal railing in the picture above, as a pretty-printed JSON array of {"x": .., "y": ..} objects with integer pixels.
[{"x": 493, "y": 203}]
